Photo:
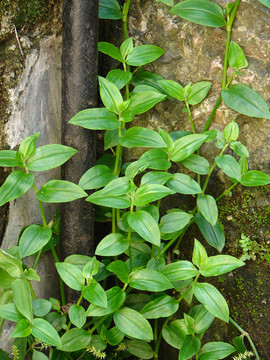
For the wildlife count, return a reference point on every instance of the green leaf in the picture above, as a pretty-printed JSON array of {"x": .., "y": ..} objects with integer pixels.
[
  {"x": 183, "y": 184},
  {"x": 96, "y": 177},
  {"x": 220, "y": 264},
  {"x": 239, "y": 148},
  {"x": 133, "y": 324},
  {"x": 58, "y": 191},
  {"x": 37, "y": 355},
  {"x": 265, "y": 3},
  {"x": 157, "y": 159},
  {"x": 115, "y": 299},
  {"x": 118, "y": 202},
  {"x": 135, "y": 168},
  {"x": 127, "y": 47},
  {"x": 212, "y": 300},
  {"x": 110, "y": 95},
  {"x": 9, "y": 158},
  {"x": 186, "y": 145},
  {"x": 167, "y": 2},
  {"x": 244, "y": 100},
  {"x": 229, "y": 165},
  {"x": 180, "y": 270},
  {"x": 28, "y": 146},
  {"x": 109, "y": 9},
  {"x": 10, "y": 312},
  {"x": 33, "y": 239},
  {"x": 4, "y": 355},
  {"x": 22, "y": 329},
  {"x": 90, "y": 268},
  {"x": 120, "y": 269},
  {"x": 190, "y": 346},
  {"x": 208, "y": 208},
  {"x": 114, "y": 336},
  {"x": 22, "y": 297},
  {"x": 10, "y": 264},
  {"x": 214, "y": 235},
  {"x": 111, "y": 138},
  {"x": 174, "y": 334},
  {"x": 198, "y": 92},
  {"x": 149, "y": 193},
  {"x": 78, "y": 260},
  {"x": 173, "y": 89},
  {"x": 96, "y": 119},
  {"x": 31, "y": 274},
  {"x": 111, "y": 50},
  {"x": 16, "y": 184},
  {"x": 197, "y": 163},
  {"x": 199, "y": 255},
  {"x": 237, "y": 59},
  {"x": 255, "y": 178},
  {"x": 95, "y": 294},
  {"x": 49, "y": 157},
  {"x": 201, "y": 12},
  {"x": 141, "y": 137},
  {"x": 174, "y": 221},
  {"x": 149, "y": 79},
  {"x": 71, "y": 275},
  {"x": 77, "y": 315},
  {"x": 119, "y": 77},
  {"x": 45, "y": 332},
  {"x": 217, "y": 350},
  {"x": 141, "y": 103},
  {"x": 74, "y": 340},
  {"x": 144, "y": 54},
  {"x": 139, "y": 348},
  {"x": 112, "y": 245},
  {"x": 41, "y": 307},
  {"x": 203, "y": 318},
  {"x": 163, "y": 306},
  {"x": 5, "y": 279},
  {"x": 149, "y": 280},
  {"x": 144, "y": 224},
  {"x": 155, "y": 177}
]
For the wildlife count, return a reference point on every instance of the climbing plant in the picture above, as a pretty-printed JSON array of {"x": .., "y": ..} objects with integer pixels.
[{"x": 130, "y": 294}]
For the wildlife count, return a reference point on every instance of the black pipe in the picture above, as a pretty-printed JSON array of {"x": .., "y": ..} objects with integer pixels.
[{"x": 79, "y": 91}]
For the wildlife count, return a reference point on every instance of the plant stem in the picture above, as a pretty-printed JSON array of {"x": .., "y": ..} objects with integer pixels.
[
  {"x": 101, "y": 321},
  {"x": 246, "y": 334},
  {"x": 160, "y": 337},
  {"x": 78, "y": 303},
  {"x": 190, "y": 117},
  {"x": 125, "y": 15},
  {"x": 129, "y": 240},
  {"x": 32, "y": 291},
  {"x": 208, "y": 123},
  {"x": 226, "y": 191}
]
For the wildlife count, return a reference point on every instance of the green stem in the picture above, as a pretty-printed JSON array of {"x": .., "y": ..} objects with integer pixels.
[
  {"x": 62, "y": 289},
  {"x": 32, "y": 291},
  {"x": 190, "y": 118},
  {"x": 208, "y": 123},
  {"x": 101, "y": 321},
  {"x": 125, "y": 15},
  {"x": 246, "y": 334},
  {"x": 129, "y": 240},
  {"x": 78, "y": 303},
  {"x": 226, "y": 191},
  {"x": 226, "y": 56},
  {"x": 159, "y": 338},
  {"x": 187, "y": 289}
]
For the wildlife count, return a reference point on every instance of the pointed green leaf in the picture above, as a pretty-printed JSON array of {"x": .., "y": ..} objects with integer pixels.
[
  {"x": 5, "y": 279},
  {"x": 141, "y": 137},
  {"x": 11, "y": 264},
  {"x": 144, "y": 54},
  {"x": 37, "y": 355},
  {"x": 149, "y": 193},
  {"x": 229, "y": 165},
  {"x": 208, "y": 208},
  {"x": 239, "y": 148},
  {"x": 174, "y": 221},
  {"x": 41, "y": 307},
  {"x": 111, "y": 50},
  {"x": 183, "y": 184},
  {"x": 119, "y": 77},
  {"x": 74, "y": 340},
  {"x": 96, "y": 177},
  {"x": 49, "y": 157},
  {"x": 173, "y": 89},
  {"x": 199, "y": 255},
  {"x": 16, "y": 184},
  {"x": 190, "y": 347},
  {"x": 118, "y": 202},
  {"x": 156, "y": 159},
  {"x": 58, "y": 191},
  {"x": 22, "y": 297},
  {"x": 265, "y": 3},
  {"x": 203, "y": 318},
  {"x": 77, "y": 315},
  {"x": 109, "y": 9},
  {"x": 115, "y": 299},
  {"x": 149, "y": 280},
  {"x": 71, "y": 275},
  {"x": 22, "y": 329},
  {"x": 244, "y": 100},
  {"x": 112, "y": 245},
  {"x": 217, "y": 350},
  {"x": 133, "y": 324},
  {"x": 140, "y": 349},
  {"x": 220, "y": 264},
  {"x": 180, "y": 270},
  {"x": 214, "y": 235},
  {"x": 212, "y": 300},
  {"x": 120, "y": 269},
  {"x": 155, "y": 177},
  {"x": 237, "y": 59},
  {"x": 33, "y": 239},
  {"x": 198, "y": 92},
  {"x": 255, "y": 178},
  {"x": 163, "y": 306},
  {"x": 96, "y": 119},
  {"x": 110, "y": 95},
  {"x": 9, "y": 158},
  {"x": 174, "y": 334},
  {"x": 197, "y": 163},
  {"x": 186, "y": 145},
  {"x": 10, "y": 312},
  {"x": 201, "y": 12},
  {"x": 28, "y": 146},
  {"x": 144, "y": 224}
]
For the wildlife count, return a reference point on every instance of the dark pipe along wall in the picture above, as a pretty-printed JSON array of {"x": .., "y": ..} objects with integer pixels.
[{"x": 79, "y": 91}]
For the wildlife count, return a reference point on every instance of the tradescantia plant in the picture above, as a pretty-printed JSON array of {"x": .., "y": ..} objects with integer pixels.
[{"x": 140, "y": 305}]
